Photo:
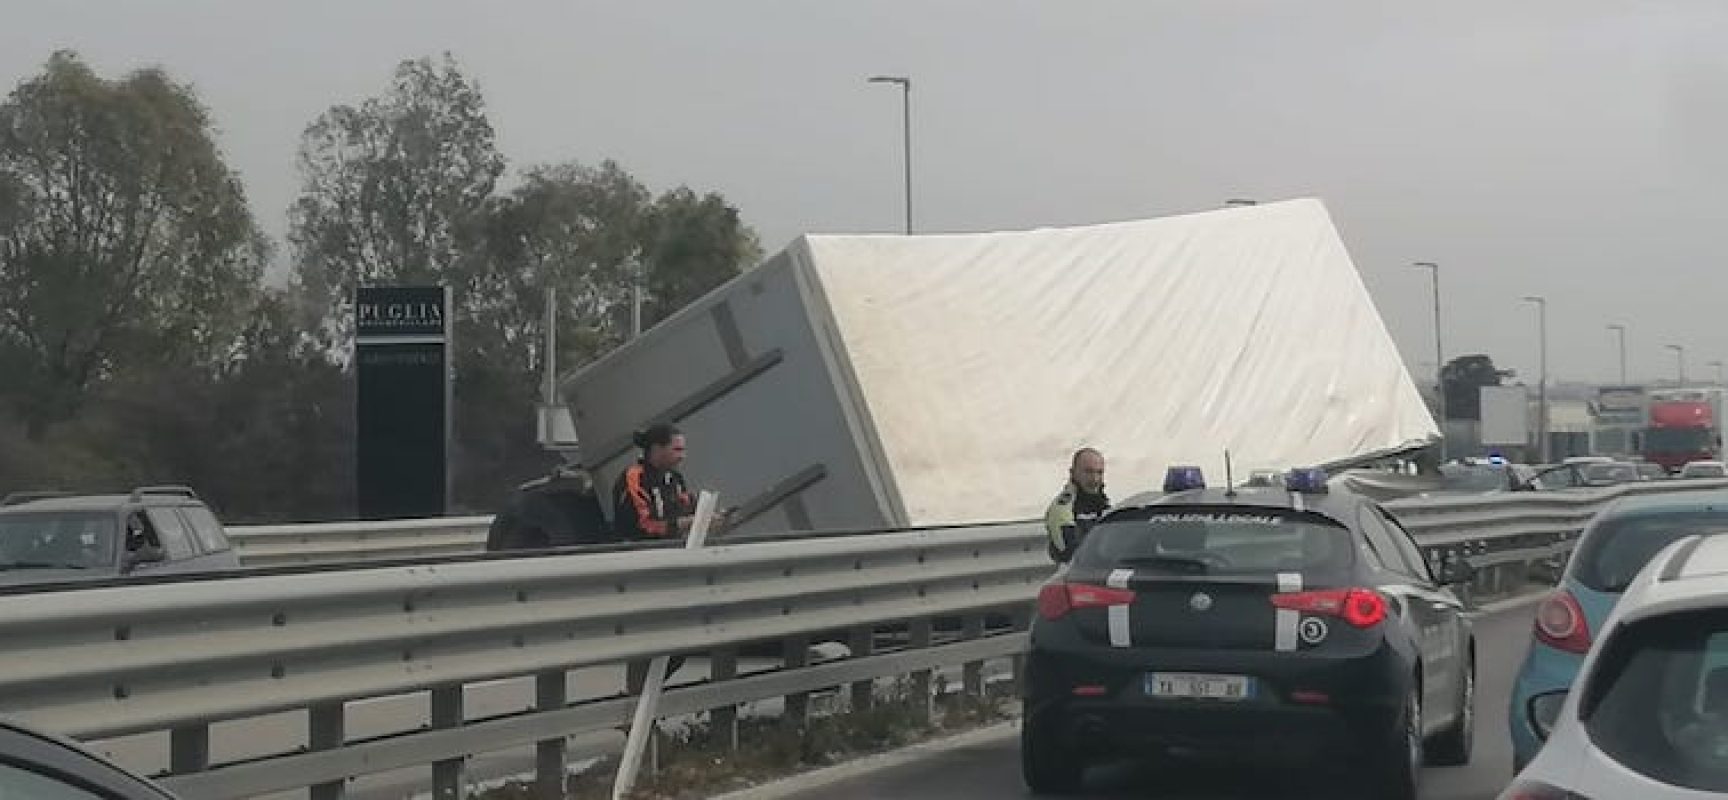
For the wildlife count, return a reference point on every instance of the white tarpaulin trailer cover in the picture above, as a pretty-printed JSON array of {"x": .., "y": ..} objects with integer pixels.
[{"x": 983, "y": 360}]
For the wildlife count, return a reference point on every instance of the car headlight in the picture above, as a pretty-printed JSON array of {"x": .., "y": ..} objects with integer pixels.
[{"x": 1545, "y": 711}]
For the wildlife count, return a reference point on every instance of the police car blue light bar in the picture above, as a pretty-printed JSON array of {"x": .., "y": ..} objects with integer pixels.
[
  {"x": 1308, "y": 480},
  {"x": 1182, "y": 479}
]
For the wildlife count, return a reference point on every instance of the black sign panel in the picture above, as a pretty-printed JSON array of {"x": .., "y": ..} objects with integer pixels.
[
  {"x": 395, "y": 311},
  {"x": 403, "y": 401}
]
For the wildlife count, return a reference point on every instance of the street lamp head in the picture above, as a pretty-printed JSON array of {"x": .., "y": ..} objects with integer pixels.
[
  {"x": 1425, "y": 265},
  {"x": 1616, "y": 327},
  {"x": 895, "y": 79},
  {"x": 1535, "y": 299}
]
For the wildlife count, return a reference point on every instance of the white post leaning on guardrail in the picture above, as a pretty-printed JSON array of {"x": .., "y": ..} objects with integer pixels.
[{"x": 642, "y": 726}]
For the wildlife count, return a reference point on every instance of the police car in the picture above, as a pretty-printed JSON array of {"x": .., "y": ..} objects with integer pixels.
[{"x": 1284, "y": 625}]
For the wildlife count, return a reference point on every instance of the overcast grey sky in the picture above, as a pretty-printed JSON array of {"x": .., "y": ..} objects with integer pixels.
[{"x": 1575, "y": 148}]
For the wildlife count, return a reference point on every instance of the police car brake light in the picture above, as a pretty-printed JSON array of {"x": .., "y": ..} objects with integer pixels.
[
  {"x": 1362, "y": 608},
  {"x": 1057, "y": 599},
  {"x": 1310, "y": 480},
  {"x": 1182, "y": 479}
]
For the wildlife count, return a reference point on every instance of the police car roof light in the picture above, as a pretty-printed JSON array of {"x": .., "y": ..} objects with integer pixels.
[
  {"x": 1182, "y": 479},
  {"x": 1308, "y": 480}
]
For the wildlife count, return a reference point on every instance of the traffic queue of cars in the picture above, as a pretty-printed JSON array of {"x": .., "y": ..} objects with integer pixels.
[
  {"x": 1283, "y": 622},
  {"x": 1299, "y": 625}
]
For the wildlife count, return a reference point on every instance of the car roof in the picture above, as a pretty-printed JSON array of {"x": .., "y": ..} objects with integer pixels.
[
  {"x": 1339, "y": 505},
  {"x": 1688, "y": 574},
  {"x": 98, "y": 502},
  {"x": 61, "y": 754},
  {"x": 1666, "y": 503}
]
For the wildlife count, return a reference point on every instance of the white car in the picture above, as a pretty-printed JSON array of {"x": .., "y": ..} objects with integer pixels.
[
  {"x": 1704, "y": 469},
  {"x": 1647, "y": 716}
]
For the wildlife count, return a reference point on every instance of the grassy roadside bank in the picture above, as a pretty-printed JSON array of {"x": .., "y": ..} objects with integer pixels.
[{"x": 700, "y": 761}]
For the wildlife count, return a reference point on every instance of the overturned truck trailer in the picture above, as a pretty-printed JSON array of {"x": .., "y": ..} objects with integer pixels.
[{"x": 868, "y": 382}]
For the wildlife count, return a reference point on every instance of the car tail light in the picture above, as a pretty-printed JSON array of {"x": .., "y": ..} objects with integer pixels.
[
  {"x": 1560, "y": 623},
  {"x": 1537, "y": 790},
  {"x": 1057, "y": 599},
  {"x": 1363, "y": 608}
]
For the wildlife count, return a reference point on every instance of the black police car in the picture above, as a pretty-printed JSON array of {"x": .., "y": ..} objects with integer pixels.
[{"x": 1281, "y": 625}]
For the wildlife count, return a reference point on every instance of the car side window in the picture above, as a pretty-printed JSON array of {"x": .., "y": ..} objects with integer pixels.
[
  {"x": 207, "y": 528},
  {"x": 1385, "y": 543},
  {"x": 176, "y": 539},
  {"x": 1407, "y": 548},
  {"x": 18, "y": 783}
]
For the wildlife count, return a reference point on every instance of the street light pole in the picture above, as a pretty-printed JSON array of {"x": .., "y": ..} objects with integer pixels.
[
  {"x": 1680, "y": 351},
  {"x": 1721, "y": 378},
  {"x": 1621, "y": 329},
  {"x": 1439, "y": 355},
  {"x": 1542, "y": 385},
  {"x": 905, "y": 85}
]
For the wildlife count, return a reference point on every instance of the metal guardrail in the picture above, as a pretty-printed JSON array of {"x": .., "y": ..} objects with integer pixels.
[
  {"x": 1507, "y": 534},
  {"x": 180, "y": 657},
  {"x": 1436, "y": 522},
  {"x": 183, "y": 656},
  {"x": 350, "y": 542}
]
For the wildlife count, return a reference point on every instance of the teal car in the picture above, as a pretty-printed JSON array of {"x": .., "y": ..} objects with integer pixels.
[{"x": 1615, "y": 545}]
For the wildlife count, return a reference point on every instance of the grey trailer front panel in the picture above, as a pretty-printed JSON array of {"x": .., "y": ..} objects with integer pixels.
[{"x": 742, "y": 373}]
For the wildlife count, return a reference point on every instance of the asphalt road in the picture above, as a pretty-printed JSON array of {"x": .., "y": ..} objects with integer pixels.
[{"x": 991, "y": 769}]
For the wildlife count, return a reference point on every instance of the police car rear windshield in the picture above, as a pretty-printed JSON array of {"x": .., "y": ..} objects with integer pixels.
[{"x": 1206, "y": 541}]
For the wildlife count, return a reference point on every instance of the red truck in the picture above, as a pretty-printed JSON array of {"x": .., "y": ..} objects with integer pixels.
[{"x": 1681, "y": 431}]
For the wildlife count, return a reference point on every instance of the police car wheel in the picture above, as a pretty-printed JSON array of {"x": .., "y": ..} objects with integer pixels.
[
  {"x": 1048, "y": 767},
  {"x": 1452, "y": 747},
  {"x": 1399, "y": 768}
]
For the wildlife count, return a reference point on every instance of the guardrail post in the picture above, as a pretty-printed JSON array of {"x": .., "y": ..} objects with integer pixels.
[
  {"x": 1017, "y": 662},
  {"x": 863, "y": 644},
  {"x": 919, "y": 636},
  {"x": 972, "y": 681},
  {"x": 189, "y": 749},
  {"x": 326, "y": 729},
  {"x": 723, "y": 666},
  {"x": 635, "y": 675},
  {"x": 797, "y": 655},
  {"x": 447, "y": 713},
  {"x": 551, "y": 692}
]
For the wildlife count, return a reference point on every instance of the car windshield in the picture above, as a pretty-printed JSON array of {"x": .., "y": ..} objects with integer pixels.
[
  {"x": 1481, "y": 478},
  {"x": 1611, "y": 555},
  {"x": 1189, "y": 540},
  {"x": 57, "y": 540},
  {"x": 1658, "y": 701}
]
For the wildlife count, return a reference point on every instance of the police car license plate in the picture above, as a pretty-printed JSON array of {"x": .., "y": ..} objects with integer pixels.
[{"x": 1199, "y": 687}]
